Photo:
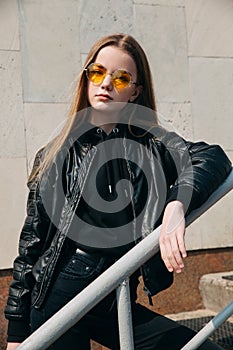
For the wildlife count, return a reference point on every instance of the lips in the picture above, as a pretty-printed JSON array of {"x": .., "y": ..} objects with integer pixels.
[{"x": 105, "y": 96}]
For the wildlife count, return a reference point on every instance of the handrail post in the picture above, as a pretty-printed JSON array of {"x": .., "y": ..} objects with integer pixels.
[{"x": 125, "y": 316}]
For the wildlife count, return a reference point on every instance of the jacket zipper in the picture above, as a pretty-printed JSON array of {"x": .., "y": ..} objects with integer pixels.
[{"x": 149, "y": 295}]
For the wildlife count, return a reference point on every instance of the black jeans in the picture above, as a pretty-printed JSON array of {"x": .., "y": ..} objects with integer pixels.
[{"x": 151, "y": 330}]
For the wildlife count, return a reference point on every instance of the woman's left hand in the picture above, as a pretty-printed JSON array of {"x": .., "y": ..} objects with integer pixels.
[{"x": 172, "y": 245}]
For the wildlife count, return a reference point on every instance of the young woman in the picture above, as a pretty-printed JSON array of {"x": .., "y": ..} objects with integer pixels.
[{"x": 102, "y": 184}]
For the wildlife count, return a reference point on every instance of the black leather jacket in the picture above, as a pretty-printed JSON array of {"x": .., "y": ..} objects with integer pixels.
[{"x": 177, "y": 169}]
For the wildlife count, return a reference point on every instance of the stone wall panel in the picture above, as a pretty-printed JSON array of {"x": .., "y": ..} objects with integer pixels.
[
  {"x": 162, "y": 32},
  {"x": 13, "y": 193},
  {"x": 43, "y": 121},
  {"x": 12, "y": 138},
  {"x": 212, "y": 108},
  {"x": 108, "y": 18},
  {"x": 9, "y": 25},
  {"x": 210, "y": 27},
  {"x": 50, "y": 48}
]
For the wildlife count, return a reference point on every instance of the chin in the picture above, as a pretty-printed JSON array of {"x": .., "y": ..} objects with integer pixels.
[{"x": 109, "y": 107}]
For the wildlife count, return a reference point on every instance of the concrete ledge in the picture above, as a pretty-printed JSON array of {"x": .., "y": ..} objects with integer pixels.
[
  {"x": 216, "y": 291},
  {"x": 187, "y": 315}
]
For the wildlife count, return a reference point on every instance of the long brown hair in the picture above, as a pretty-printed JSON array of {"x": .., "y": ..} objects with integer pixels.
[{"x": 146, "y": 98}]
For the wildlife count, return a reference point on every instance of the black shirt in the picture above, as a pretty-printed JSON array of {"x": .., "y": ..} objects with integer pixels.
[{"x": 104, "y": 216}]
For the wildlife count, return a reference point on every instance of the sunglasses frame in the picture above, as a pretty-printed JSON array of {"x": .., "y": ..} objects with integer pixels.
[{"x": 117, "y": 70}]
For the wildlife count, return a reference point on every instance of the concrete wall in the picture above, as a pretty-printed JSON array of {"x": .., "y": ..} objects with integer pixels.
[{"x": 42, "y": 47}]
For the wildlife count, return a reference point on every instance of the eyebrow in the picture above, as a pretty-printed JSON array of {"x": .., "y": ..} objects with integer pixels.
[{"x": 123, "y": 69}]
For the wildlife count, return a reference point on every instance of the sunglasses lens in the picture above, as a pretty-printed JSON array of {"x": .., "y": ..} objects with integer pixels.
[
  {"x": 121, "y": 79},
  {"x": 96, "y": 73}
]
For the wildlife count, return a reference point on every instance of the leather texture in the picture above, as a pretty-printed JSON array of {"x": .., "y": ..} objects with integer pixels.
[{"x": 177, "y": 169}]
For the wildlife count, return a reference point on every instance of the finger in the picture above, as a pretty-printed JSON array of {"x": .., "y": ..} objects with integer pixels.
[
  {"x": 164, "y": 255},
  {"x": 178, "y": 263},
  {"x": 181, "y": 244},
  {"x": 170, "y": 254}
]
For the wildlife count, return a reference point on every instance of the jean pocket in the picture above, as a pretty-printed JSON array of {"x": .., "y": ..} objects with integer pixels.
[
  {"x": 80, "y": 266},
  {"x": 76, "y": 274}
]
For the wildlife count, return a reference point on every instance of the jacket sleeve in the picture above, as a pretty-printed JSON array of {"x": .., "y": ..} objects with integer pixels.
[
  {"x": 199, "y": 170},
  {"x": 30, "y": 245},
  {"x": 193, "y": 172}
]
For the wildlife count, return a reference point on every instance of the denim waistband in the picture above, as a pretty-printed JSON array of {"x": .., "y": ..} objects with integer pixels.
[
  {"x": 72, "y": 247},
  {"x": 93, "y": 256}
]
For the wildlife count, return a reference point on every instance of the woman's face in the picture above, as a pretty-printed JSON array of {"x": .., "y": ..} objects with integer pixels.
[{"x": 105, "y": 97}]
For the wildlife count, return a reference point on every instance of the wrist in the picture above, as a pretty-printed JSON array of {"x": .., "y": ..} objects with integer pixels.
[{"x": 175, "y": 204}]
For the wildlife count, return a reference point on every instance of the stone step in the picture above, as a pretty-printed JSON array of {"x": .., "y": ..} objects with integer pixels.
[
  {"x": 200, "y": 313},
  {"x": 216, "y": 290}
]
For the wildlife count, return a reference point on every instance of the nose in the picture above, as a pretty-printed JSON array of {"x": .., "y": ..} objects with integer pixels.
[{"x": 107, "y": 82}]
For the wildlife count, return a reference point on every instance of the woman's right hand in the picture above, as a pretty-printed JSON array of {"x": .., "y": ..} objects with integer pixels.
[
  {"x": 172, "y": 243},
  {"x": 12, "y": 346}
]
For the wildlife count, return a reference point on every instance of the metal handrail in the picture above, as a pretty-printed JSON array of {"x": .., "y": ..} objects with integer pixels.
[
  {"x": 209, "y": 328},
  {"x": 109, "y": 280}
]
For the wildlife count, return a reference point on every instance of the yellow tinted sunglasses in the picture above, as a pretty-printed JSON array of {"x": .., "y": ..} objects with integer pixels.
[{"x": 96, "y": 73}]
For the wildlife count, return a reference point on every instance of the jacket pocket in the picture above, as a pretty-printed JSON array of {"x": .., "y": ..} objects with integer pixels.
[{"x": 39, "y": 268}]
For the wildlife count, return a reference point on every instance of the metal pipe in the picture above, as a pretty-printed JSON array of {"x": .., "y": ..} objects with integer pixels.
[
  {"x": 125, "y": 316},
  {"x": 209, "y": 328},
  {"x": 72, "y": 312},
  {"x": 219, "y": 193}
]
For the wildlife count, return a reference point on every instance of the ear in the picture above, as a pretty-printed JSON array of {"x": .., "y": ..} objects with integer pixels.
[{"x": 136, "y": 93}]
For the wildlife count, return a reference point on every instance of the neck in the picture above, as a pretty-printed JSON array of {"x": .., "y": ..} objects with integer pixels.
[{"x": 106, "y": 121}]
